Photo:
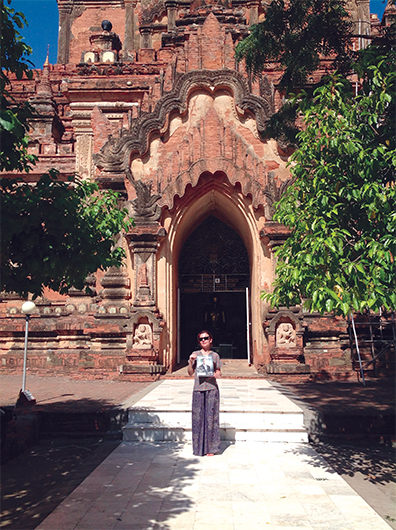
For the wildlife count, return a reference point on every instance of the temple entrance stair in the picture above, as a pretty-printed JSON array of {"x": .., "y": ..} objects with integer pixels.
[{"x": 250, "y": 410}]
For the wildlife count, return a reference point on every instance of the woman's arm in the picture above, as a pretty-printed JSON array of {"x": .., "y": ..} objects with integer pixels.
[
  {"x": 191, "y": 364},
  {"x": 217, "y": 372}
]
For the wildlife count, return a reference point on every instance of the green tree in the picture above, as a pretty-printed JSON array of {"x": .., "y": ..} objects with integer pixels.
[
  {"x": 297, "y": 35},
  {"x": 341, "y": 204},
  {"x": 14, "y": 116},
  {"x": 53, "y": 233}
]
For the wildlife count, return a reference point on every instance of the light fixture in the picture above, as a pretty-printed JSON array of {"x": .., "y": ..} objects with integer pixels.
[{"x": 25, "y": 397}]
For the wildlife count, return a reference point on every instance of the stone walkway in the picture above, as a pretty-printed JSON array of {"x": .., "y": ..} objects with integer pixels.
[{"x": 279, "y": 486}]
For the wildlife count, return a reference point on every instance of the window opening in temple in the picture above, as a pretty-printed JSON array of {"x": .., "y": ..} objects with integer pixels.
[{"x": 214, "y": 273}]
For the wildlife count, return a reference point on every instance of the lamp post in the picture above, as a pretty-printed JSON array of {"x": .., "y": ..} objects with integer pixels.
[{"x": 24, "y": 395}]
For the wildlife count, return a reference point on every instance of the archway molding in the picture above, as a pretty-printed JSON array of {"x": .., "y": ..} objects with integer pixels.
[{"x": 213, "y": 195}]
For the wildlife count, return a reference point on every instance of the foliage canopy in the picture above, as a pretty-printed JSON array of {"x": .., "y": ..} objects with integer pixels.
[
  {"x": 54, "y": 234},
  {"x": 341, "y": 205},
  {"x": 297, "y": 35},
  {"x": 14, "y": 126}
]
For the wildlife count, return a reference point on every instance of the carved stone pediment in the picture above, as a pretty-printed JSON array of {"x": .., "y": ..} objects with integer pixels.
[{"x": 115, "y": 155}]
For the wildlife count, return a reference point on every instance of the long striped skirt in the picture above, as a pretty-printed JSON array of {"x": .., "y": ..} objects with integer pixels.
[{"x": 205, "y": 422}]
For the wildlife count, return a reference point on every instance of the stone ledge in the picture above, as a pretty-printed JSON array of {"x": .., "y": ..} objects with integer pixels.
[
  {"x": 288, "y": 368},
  {"x": 142, "y": 369}
]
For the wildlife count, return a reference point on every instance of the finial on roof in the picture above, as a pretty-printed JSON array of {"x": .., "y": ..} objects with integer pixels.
[
  {"x": 44, "y": 87},
  {"x": 47, "y": 58}
]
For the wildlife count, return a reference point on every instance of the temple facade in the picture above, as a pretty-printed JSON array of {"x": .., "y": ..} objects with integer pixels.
[{"x": 147, "y": 99}]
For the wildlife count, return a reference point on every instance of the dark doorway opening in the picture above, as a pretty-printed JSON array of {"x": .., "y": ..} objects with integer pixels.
[{"x": 214, "y": 275}]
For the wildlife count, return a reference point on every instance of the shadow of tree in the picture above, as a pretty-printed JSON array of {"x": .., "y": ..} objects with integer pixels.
[
  {"x": 49, "y": 449},
  {"x": 376, "y": 463},
  {"x": 140, "y": 485},
  {"x": 84, "y": 416},
  {"x": 379, "y": 395},
  {"x": 38, "y": 480},
  {"x": 369, "y": 470},
  {"x": 157, "y": 491},
  {"x": 70, "y": 449}
]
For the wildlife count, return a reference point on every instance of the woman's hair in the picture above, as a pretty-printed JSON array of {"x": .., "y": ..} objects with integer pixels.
[{"x": 204, "y": 331}]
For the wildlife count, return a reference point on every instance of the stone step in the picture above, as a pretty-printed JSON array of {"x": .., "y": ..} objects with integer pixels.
[
  {"x": 158, "y": 432},
  {"x": 228, "y": 419},
  {"x": 249, "y": 411},
  {"x": 146, "y": 425}
]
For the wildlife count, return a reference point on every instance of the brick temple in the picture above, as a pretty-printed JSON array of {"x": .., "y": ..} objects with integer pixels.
[{"x": 147, "y": 99}]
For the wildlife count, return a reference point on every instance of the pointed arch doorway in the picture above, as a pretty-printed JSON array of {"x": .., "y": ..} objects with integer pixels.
[{"x": 214, "y": 279}]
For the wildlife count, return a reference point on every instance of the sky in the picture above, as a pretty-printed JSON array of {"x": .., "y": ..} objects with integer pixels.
[{"x": 42, "y": 17}]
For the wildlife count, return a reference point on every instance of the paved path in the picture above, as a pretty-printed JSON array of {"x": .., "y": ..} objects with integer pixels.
[
  {"x": 248, "y": 485},
  {"x": 239, "y": 395}
]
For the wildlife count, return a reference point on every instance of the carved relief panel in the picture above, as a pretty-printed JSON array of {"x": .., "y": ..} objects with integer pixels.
[
  {"x": 143, "y": 337},
  {"x": 144, "y": 256}
]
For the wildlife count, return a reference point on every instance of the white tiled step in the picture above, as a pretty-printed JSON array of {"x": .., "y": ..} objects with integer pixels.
[
  {"x": 228, "y": 419},
  {"x": 250, "y": 410},
  {"x": 157, "y": 432}
]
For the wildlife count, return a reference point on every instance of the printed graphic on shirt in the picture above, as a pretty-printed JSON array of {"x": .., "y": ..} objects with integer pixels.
[{"x": 205, "y": 365}]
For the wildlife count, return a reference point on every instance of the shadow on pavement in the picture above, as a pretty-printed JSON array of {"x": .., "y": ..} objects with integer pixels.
[
  {"x": 35, "y": 482},
  {"x": 369, "y": 470},
  {"x": 48, "y": 450}
]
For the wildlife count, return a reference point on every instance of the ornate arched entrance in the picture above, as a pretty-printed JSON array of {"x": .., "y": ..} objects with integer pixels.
[
  {"x": 213, "y": 201},
  {"x": 214, "y": 278}
]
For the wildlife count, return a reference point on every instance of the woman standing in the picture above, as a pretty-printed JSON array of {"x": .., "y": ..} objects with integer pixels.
[{"x": 206, "y": 365}]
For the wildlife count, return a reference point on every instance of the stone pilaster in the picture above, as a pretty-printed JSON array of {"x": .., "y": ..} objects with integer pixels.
[
  {"x": 65, "y": 10},
  {"x": 146, "y": 33},
  {"x": 274, "y": 235},
  {"x": 130, "y": 29},
  {"x": 253, "y": 12},
  {"x": 171, "y": 7}
]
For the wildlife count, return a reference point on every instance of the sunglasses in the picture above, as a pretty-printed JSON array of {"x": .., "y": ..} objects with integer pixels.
[{"x": 203, "y": 338}]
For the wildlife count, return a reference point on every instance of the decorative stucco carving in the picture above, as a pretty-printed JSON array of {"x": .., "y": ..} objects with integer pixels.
[
  {"x": 285, "y": 345},
  {"x": 145, "y": 207},
  {"x": 285, "y": 335},
  {"x": 143, "y": 337},
  {"x": 84, "y": 147},
  {"x": 267, "y": 91},
  {"x": 156, "y": 11},
  {"x": 137, "y": 336},
  {"x": 273, "y": 193},
  {"x": 115, "y": 155}
]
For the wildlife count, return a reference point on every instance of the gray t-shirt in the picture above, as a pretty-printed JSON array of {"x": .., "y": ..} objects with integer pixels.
[{"x": 204, "y": 368}]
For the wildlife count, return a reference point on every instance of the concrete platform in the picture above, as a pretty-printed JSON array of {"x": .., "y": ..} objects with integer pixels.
[
  {"x": 370, "y": 472},
  {"x": 250, "y": 410},
  {"x": 161, "y": 485},
  {"x": 276, "y": 486}
]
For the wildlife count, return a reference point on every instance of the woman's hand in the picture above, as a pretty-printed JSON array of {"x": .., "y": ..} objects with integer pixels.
[
  {"x": 217, "y": 373},
  {"x": 191, "y": 361}
]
